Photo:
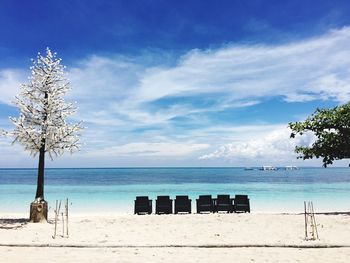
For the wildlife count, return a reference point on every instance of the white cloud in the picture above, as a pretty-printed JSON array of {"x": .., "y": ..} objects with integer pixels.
[
  {"x": 121, "y": 91},
  {"x": 275, "y": 144},
  {"x": 334, "y": 85},
  {"x": 164, "y": 149},
  {"x": 10, "y": 81},
  {"x": 14, "y": 155},
  {"x": 293, "y": 70},
  {"x": 231, "y": 76},
  {"x": 118, "y": 95},
  {"x": 104, "y": 78}
]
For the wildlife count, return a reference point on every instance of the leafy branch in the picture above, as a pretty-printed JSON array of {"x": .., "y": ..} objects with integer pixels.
[{"x": 332, "y": 129}]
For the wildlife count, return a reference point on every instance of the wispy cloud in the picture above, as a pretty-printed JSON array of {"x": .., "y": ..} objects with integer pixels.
[
  {"x": 13, "y": 155},
  {"x": 275, "y": 145},
  {"x": 231, "y": 76},
  {"x": 10, "y": 81},
  {"x": 248, "y": 71},
  {"x": 132, "y": 105},
  {"x": 167, "y": 149}
]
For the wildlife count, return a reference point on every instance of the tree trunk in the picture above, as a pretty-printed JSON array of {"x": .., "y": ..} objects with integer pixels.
[
  {"x": 41, "y": 170},
  {"x": 38, "y": 212},
  {"x": 38, "y": 208}
]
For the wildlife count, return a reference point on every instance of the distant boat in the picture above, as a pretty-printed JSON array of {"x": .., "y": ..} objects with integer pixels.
[
  {"x": 291, "y": 167},
  {"x": 268, "y": 168}
]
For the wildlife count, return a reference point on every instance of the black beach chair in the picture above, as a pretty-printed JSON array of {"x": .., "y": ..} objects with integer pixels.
[
  {"x": 182, "y": 204},
  {"x": 143, "y": 205},
  {"x": 224, "y": 203},
  {"x": 205, "y": 204},
  {"x": 241, "y": 204},
  {"x": 164, "y": 205}
]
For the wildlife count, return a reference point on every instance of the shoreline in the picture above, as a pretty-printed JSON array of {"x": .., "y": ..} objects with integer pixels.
[
  {"x": 22, "y": 215},
  {"x": 124, "y": 212}
]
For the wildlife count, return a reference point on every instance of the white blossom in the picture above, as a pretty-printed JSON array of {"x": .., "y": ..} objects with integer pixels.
[{"x": 43, "y": 111}]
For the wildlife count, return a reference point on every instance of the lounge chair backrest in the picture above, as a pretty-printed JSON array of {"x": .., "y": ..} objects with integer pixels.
[
  {"x": 182, "y": 197},
  {"x": 142, "y": 199},
  {"x": 163, "y": 198},
  {"x": 205, "y": 198},
  {"x": 241, "y": 198},
  {"x": 223, "y": 199}
]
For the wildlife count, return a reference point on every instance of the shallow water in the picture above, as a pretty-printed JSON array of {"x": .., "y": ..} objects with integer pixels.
[{"x": 114, "y": 189}]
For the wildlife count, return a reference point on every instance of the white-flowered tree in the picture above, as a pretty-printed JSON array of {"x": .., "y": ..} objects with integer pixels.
[{"x": 42, "y": 126}]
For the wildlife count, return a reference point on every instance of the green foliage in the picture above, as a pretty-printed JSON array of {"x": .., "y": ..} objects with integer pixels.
[{"x": 332, "y": 129}]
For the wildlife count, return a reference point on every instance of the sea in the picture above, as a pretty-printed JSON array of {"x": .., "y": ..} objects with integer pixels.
[{"x": 113, "y": 190}]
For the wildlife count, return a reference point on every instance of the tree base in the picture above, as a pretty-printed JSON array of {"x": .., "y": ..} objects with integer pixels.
[{"x": 38, "y": 212}]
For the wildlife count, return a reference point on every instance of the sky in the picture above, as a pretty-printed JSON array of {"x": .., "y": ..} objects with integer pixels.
[{"x": 181, "y": 83}]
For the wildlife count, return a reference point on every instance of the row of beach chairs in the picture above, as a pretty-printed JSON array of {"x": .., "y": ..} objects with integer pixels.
[{"x": 182, "y": 204}]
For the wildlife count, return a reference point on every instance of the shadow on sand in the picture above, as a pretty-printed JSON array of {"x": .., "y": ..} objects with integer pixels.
[{"x": 13, "y": 223}]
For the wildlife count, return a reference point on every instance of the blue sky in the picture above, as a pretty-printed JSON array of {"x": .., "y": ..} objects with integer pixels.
[{"x": 181, "y": 83}]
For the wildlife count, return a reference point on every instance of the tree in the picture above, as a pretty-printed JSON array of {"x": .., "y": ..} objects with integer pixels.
[
  {"x": 41, "y": 126},
  {"x": 332, "y": 129}
]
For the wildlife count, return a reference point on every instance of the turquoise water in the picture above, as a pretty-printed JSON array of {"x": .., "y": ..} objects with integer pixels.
[{"x": 113, "y": 190}]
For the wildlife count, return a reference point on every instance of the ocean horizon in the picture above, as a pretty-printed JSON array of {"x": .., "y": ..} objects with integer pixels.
[{"x": 112, "y": 190}]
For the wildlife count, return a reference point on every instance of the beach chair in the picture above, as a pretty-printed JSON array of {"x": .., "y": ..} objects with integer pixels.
[
  {"x": 223, "y": 203},
  {"x": 182, "y": 204},
  {"x": 241, "y": 204},
  {"x": 143, "y": 205},
  {"x": 164, "y": 205},
  {"x": 205, "y": 204}
]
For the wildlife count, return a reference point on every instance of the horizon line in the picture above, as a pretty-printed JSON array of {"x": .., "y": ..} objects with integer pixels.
[{"x": 165, "y": 167}]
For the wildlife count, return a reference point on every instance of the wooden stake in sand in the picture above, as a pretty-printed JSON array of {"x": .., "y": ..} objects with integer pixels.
[
  {"x": 57, "y": 211},
  {"x": 310, "y": 222},
  {"x": 64, "y": 219},
  {"x": 62, "y": 225},
  {"x": 67, "y": 217},
  {"x": 54, "y": 234}
]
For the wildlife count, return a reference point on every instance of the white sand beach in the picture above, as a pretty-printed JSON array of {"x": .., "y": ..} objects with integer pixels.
[{"x": 251, "y": 237}]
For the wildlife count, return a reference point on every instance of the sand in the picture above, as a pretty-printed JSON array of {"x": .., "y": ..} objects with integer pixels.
[{"x": 251, "y": 237}]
